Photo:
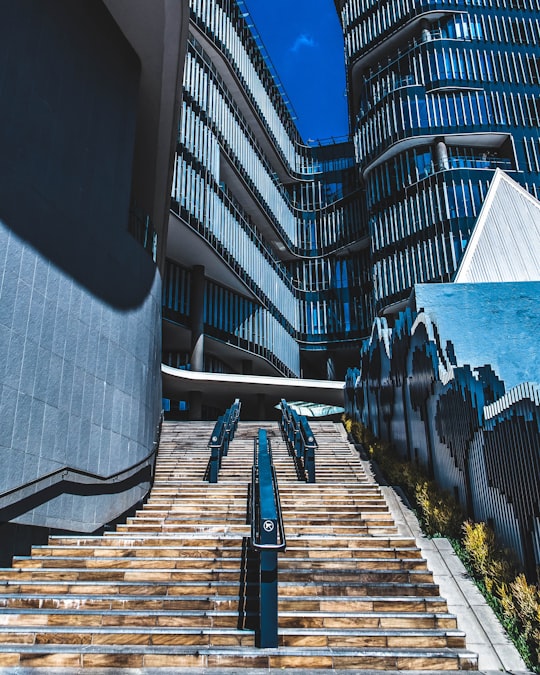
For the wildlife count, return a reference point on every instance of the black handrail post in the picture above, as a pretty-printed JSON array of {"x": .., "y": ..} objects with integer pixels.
[{"x": 268, "y": 613}]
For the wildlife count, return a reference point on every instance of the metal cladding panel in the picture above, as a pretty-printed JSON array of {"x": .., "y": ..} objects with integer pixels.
[
  {"x": 80, "y": 390},
  {"x": 505, "y": 244},
  {"x": 466, "y": 356}
]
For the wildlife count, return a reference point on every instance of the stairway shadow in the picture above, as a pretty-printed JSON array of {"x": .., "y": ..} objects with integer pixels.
[{"x": 248, "y": 591}]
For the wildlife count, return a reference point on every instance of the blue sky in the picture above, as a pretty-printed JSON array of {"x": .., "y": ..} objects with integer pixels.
[{"x": 305, "y": 44}]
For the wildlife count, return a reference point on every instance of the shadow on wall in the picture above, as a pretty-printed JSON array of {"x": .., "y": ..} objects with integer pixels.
[
  {"x": 80, "y": 329},
  {"x": 69, "y": 85}
]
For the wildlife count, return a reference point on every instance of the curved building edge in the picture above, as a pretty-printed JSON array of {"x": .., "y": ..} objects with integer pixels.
[{"x": 80, "y": 299}]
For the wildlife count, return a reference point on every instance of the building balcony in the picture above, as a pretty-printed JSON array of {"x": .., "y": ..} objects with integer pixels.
[
  {"x": 245, "y": 269},
  {"x": 410, "y": 117},
  {"x": 405, "y": 69},
  {"x": 456, "y": 167},
  {"x": 390, "y": 26}
]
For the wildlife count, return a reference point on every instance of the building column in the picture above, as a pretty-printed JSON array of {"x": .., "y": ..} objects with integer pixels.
[
  {"x": 196, "y": 300},
  {"x": 261, "y": 405},
  {"x": 330, "y": 368},
  {"x": 441, "y": 155},
  {"x": 425, "y": 28},
  {"x": 195, "y": 406}
]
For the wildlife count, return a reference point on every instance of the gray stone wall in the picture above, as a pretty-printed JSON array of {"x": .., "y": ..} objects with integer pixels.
[
  {"x": 80, "y": 328},
  {"x": 79, "y": 384}
]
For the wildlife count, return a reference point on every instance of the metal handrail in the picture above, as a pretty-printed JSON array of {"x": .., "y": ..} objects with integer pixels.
[
  {"x": 260, "y": 444},
  {"x": 267, "y": 539},
  {"x": 222, "y": 435},
  {"x": 300, "y": 439},
  {"x": 255, "y": 535}
]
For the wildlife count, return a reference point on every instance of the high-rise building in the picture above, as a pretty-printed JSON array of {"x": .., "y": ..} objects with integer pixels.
[
  {"x": 441, "y": 94},
  {"x": 268, "y": 256}
]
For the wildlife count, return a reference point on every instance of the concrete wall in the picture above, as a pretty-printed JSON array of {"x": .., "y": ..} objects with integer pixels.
[
  {"x": 451, "y": 378},
  {"x": 80, "y": 302}
]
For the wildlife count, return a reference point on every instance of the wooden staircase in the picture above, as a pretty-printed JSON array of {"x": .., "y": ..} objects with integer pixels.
[{"x": 168, "y": 588}]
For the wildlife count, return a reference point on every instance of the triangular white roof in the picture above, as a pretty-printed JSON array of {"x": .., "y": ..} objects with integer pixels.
[{"x": 505, "y": 243}]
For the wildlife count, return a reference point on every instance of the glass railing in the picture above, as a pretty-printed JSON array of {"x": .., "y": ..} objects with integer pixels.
[
  {"x": 371, "y": 147},
  {"x": 383, "y": 81}
]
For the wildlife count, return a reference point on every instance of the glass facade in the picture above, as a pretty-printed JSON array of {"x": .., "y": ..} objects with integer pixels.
[
  {"x": 304, "y": 245},
  {"x": 440, "y": 94},
  {"x": 286, "y": 245}
]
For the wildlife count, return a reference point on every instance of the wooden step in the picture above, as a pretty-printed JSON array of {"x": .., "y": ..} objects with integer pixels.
[
  {"x": 168, "y": 588},
  {"x": 154, "y": 656},
  {"x": 128, "y": 629}
]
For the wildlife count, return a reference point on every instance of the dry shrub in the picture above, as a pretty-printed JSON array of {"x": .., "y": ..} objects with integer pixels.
[
  {"x": 527, "y": 604},
  {"x": 347, "y": 423},
  {"x": 479, "y": 543},
  {"x": 439, "y": 512},
  {"x": 506, "y": 600},
  {"x": 489, "y": 563},
  {"x": 519, "y": 600}
]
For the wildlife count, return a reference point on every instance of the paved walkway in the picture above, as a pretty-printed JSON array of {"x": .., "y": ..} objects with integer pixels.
[
  {"x": 485, "y": 635},
  {"x": 232, "y": 671}
]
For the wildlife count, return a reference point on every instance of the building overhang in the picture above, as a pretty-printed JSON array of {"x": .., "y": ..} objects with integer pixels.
[
  {"x": 221, "y": 389},
  {"x": 477, "y": 139},
  {"x": 157, "y": 31}
]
